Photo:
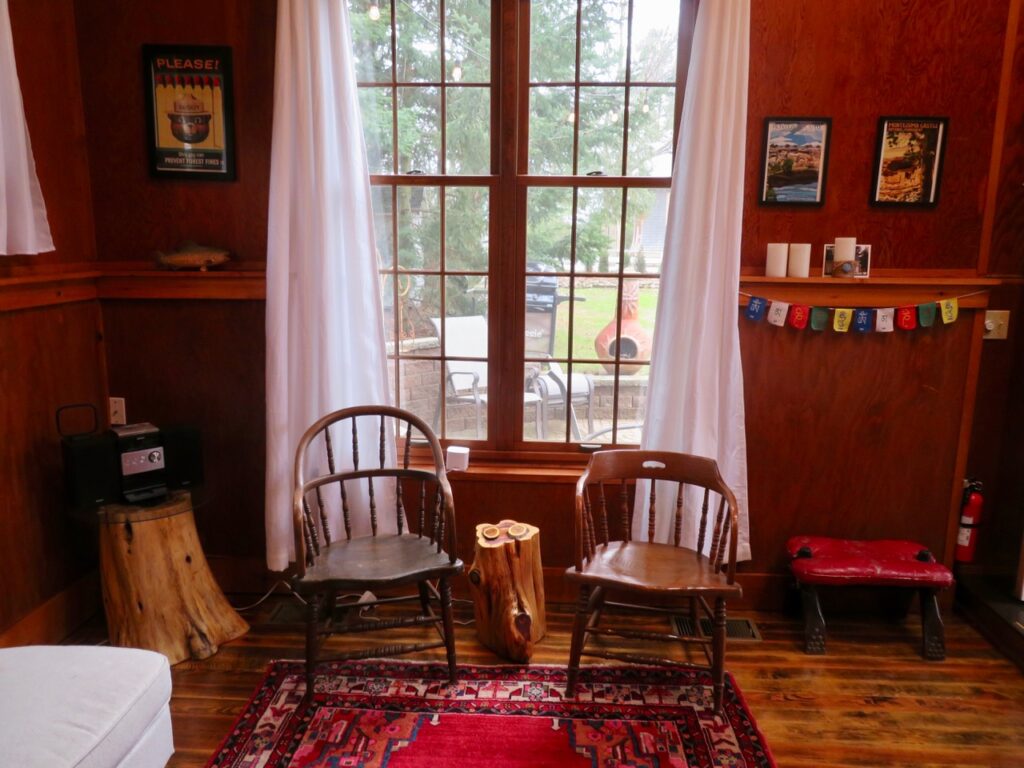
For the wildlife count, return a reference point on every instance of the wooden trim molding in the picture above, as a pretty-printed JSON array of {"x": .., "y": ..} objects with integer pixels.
[
  {"x": 127, "y": 280},
  {"x": 58, "y": 617}
]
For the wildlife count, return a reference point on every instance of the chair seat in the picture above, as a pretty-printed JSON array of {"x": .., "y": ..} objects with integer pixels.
[
  {"x": 653, "y": 568},
  {"x": 376, "y": 561}
]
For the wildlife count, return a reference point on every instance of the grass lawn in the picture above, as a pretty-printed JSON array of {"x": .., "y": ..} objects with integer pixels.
[{"x": 591, "y": 315}]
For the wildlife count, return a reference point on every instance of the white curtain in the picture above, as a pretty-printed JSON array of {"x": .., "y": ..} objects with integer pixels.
[
  {"x": 23, "y": 225},
  {"x": 695, "y": 399},
  {"x": 325, "y": 330}
]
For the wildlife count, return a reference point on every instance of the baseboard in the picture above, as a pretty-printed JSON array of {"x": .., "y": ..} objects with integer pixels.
[{"x": 58, "y": 617}]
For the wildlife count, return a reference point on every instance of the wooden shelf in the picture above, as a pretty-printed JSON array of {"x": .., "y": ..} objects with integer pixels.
[
  {"x": 238, "y": 285},
  {"x": 883, "y": 291}
]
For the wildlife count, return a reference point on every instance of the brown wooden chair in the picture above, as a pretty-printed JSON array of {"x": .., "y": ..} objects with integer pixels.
[
  {"x": 664, "y": 578},
  {"x": 329, "y": 563}
]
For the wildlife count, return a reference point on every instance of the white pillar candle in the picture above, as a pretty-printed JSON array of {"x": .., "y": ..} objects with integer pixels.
[
  {"x": 846, "y": 249},
  {"x": 799, "y": 260},
  {"x": 458, "y": 458},
  {"x": 778, "y": 255}
]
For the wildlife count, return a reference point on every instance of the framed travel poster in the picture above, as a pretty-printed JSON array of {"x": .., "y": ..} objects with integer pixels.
[
  {"x": 795, "y": 160},
  {"x": 188, "y": 111},
  {"x": 908, "y": 160}
]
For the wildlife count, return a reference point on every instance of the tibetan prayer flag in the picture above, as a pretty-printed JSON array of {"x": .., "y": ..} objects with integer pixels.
[
  {"x": 777, "y": 313},
  {"x": 819, "y": 318},
  {"x": 841, "y": 321},
  {"x": 906, "y": 318},
  {"x": 926, "y": 314},
  {"x": 862, "y": 320},
  {"x": 950, "y": 310},
  {"x": 884, "y": 319},
  {"x": 798, "y": 316},
  {"x": 756, "y": 308}
]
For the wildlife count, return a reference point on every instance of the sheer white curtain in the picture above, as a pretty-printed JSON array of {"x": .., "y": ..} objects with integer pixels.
[
  {"x": 325, "y": 330},
  {"x": 695, "y": 399},
  {"x": 23, "y": 224}
]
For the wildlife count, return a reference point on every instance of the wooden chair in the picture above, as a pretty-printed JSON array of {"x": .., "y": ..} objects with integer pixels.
[
  {"x": 329, "y": 563},
  {"x": 663, "y": 578}
]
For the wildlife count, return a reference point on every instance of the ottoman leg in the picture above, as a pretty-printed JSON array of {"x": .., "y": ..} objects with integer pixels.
[
  {"x": 933, "y": 633},
  {"x": 814, "y": 622}
]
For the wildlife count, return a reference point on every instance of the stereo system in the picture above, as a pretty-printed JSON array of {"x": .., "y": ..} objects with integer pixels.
[{"x": 136, "y": 463}]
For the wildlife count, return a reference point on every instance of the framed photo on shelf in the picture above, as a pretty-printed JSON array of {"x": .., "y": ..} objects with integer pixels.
[
  {"x": 188, "y": 112},
  {"x": 794, "y": 162},
  {"x": 908, "y": 161},
  {"x": 859, "y": 267}
]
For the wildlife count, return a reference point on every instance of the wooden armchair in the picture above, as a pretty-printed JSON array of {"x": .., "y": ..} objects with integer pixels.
[
  {"x": 362, "y": 557},
  {"x": 664, "y": 578}
]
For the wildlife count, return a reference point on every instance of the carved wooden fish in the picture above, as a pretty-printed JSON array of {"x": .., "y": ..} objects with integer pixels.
[{"x": 190, "y": 255}]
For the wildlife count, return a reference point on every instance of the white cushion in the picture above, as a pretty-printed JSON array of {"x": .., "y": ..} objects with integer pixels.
[{"x": 80, "y": 706}]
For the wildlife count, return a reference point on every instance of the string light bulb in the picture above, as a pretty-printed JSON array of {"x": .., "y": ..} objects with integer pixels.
[
  {"x": 457, "y": 72},
  {"x": 571, "y": 117},
  {"x": 374, "y": 12}
]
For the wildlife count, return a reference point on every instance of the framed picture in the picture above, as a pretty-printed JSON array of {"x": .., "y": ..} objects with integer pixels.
[
  {"x": 908, "y": 161},
  {"x": 794, "y": 160},
  {"x": 188, "y": 111},
  {"x": 859, "y": 267}
]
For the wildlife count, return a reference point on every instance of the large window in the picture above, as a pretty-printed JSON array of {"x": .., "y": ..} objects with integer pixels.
[{"x": 520, "y": 155}]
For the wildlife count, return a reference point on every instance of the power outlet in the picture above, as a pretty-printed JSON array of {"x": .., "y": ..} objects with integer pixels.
[
  {"x": 997, "y": 323},
  {"x": 117, "y": 411}
]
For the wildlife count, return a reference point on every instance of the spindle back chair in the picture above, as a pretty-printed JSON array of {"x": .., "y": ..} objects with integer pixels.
[
  {"x": 665, "y": 578},
  {"x": 379, "y": 547}
]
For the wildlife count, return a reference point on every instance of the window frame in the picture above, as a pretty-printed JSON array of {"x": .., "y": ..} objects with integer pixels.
[{"x": 508, "y": 184}]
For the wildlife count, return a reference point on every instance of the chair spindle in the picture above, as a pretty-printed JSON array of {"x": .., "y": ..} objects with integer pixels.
[
  {"x": 602, "y": 518},
  {"x": 716, "y": 538},
  {"x": 679, "y": 513},
  {"x": 624, "y": 510},
  {"x": 435, "y": 536},
  {"x": 703, "y": 525},
  {"x": 423, "y": 506},
  {"x": 321, "y": 507},
  {"x": 309, "y": 529},
  {"x": 726, "y": 524},
  {"x": 652, "y": 511}
]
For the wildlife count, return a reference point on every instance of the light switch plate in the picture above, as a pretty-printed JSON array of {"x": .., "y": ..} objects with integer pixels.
[{"x": 997, "y": 323}]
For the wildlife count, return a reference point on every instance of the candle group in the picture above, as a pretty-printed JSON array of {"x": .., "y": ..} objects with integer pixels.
[
  {"x": 788, "y": 259},
  {"x": 846, "y": 249}
]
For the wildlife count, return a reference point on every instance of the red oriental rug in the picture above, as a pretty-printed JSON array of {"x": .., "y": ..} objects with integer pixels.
[{"x": 405, "y": 715}]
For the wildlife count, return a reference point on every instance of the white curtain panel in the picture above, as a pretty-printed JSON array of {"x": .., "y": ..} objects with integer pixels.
[
  {"x": 695, "y": 398},
  {"x": 23, "y": 225},
  {"x": 325, "y": 330}
]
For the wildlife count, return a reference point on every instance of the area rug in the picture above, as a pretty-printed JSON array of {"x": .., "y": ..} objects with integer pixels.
[{"x": 406, "y": 715}]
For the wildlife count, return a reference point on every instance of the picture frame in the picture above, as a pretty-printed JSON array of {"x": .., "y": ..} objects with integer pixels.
[
  {"x": 860, "y": 267},
  {"x": 909, "y": 156},
  {"x": 794, "y": 160},
  {"x": 189, "y": 115}
]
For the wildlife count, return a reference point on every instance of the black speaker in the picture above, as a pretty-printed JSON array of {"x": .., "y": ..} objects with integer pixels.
[
  {"x": 92, "y": 469},
  {"x": 183, "y": 452}
]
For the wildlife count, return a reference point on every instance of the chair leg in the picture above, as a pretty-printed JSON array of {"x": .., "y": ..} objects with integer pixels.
[
  {"x": 718, "y": 654},
  {"x": 579, "y": 627},
  {"x": 933, "y": 633},
  {"x": 449, "y": 628},
  {"x": 312, "y": 628},
  {"x": 425, "y": 598},
  {"x": 814, "y": 621}
]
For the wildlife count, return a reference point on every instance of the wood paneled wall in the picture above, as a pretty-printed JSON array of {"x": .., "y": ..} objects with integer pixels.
[
  {"x": 857, "y": 61},
  {"x": 49, "y": 356}
]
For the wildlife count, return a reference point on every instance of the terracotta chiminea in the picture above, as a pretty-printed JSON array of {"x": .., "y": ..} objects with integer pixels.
[{"x": 633, "y": 343}]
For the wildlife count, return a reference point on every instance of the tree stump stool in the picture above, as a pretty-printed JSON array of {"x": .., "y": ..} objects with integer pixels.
[
  {"x": 507, "y": 585},
  {"x": 158, "y": 592}
]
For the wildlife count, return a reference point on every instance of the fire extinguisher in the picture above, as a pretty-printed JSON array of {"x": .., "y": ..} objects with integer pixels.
[{"x": 970, "y": 519}]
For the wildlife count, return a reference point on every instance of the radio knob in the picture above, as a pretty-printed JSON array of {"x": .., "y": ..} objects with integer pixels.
[{"x": 154, "y": 457}]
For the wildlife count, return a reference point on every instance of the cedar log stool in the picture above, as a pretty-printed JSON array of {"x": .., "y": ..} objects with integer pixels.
[
  {"x": 816, "y": 560},
  {"x": 158, "y": 592},
  {"x": 507, "y": 585}
]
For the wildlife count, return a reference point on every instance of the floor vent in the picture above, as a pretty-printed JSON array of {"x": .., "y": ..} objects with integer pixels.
[{"x": 735, "y": 629}]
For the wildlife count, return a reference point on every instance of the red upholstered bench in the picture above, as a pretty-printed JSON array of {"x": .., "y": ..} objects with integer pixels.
[{"x": 817, "y": 560}]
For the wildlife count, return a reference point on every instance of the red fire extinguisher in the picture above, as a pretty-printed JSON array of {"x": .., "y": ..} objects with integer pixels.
[{"x": 970, "y": 519}]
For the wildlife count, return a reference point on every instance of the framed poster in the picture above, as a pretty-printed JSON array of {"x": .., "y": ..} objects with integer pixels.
[
  {"x": 188, "y": 111},
  {"x": 794, "y": 160},
  {"x": 908, "y": 161}
]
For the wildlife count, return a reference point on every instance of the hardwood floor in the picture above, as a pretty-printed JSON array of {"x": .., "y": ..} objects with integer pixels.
[{"x": 871, "y": 701}]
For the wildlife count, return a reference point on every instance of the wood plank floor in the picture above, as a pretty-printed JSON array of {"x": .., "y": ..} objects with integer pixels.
[{"x": 871, "y": 701}]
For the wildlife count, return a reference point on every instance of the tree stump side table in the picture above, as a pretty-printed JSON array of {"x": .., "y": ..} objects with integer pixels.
[
  {"x": 507, "y": 585},
  {"x": 158, "y": 592}
]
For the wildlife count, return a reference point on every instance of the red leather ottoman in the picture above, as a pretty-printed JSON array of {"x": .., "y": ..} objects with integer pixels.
[{"x": 816, "y": 560}]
